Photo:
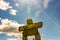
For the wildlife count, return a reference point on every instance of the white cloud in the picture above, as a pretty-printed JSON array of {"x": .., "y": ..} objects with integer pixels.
[
  {"x": 4, "y": 5},
  {"x": 29, "y": 38},
  {"x": 17, "y": 4},
  {"x": 12, "y": 11},
  {"x": 14, "y": 39},
  {"x": 10, "y": 28},
  {"x": 11, "y": 39}
]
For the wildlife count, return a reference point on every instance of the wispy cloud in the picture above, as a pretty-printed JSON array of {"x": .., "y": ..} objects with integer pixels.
[
  {"x": 40, "y": 5},
  {"x": 32, "y": 2},
  {"x": 45, "y": 3}
]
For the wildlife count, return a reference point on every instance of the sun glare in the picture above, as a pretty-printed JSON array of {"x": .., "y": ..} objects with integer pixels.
[{"x": 29, "y": 4}]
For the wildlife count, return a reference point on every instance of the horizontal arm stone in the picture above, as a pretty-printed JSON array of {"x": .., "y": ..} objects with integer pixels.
[{"x": 31, "y": 26}]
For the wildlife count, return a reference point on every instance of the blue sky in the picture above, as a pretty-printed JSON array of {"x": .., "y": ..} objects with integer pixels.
[{"x": 48, "y": 13}]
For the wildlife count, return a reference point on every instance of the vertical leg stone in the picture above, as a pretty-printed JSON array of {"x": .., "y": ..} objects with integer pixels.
[
  {"x": 37, "y": 37},
  {"x": 25, "y": 38}
]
